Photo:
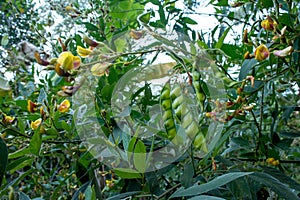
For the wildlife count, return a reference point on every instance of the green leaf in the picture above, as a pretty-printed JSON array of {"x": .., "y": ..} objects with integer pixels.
[
  {"x": 19, "y": 164},
  {"x": 19, "y": 153},
  {"x": 274, "y": 184},
  {"x": 90, "y": 27},
  {"x": 85, "y": 159},
  {"x": 106, "y": 92},
  {"x": 5, "y": 40},
  {"x": 127, "y": 173},
  {"x": 89, "y": 193},
  {"x": 202, "y": 44},
  {"x": 5, "y": 89},
  {"x": 145, "y": 18},
  {"x": 124, "y": 195},
  {"x": 23, "y": 196},
  {"x": 222, "y": 38},
  {"x": 206, "y": 197},
  {"x": 131, "y": 144},
  {"x": 222, "y": 3},
  {"x": 139, "y": 157},
  {"x": 22, "y": 104},
  {"x": 246, "y": 67},
  {"x": 81, "y": 190},
  {"x": 36, "y": 142},
  {"x": 187, "y": 176},
  {"x": 3, "y": 159},
  {"x": 188, "y": 20},
  {"x": 21, "y": 125},
  {"x": 162, "y": 15},
  {"x": 66, "y": 126},
  {"x": 289, "y": 134},
  {"x": 16, "y": 181},
  {"x": 282, "y": 177},
  {"x": 4, "y": 85},
  {"x": 214, "y": 184},
  {"x": 233, "y": 51}
]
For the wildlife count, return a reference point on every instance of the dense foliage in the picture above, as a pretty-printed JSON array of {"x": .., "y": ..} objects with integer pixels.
[{"x": 119, "y": 81}]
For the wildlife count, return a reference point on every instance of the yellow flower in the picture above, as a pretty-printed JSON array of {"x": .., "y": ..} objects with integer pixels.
[
  {"x": 64, "y": 106},
  {"x": 110, "y": 183},
  {"x": 99, "y": 69},
  {"x": 275, "y": 163},
  {"x": 272, "y": 161},
  {"x": 31, "y": 107},
  {"x": 269, "y": 24},
  {"x": 7, "y": 119},
  {"x": 261, "y": 52},
  {"x": 35, "y": 124},
  {"x": 68, "y": 61},
  {"x": 83, "y": 52}
]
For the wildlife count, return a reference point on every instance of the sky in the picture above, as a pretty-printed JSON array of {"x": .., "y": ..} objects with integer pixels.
[{"x": 205, "y": 23}]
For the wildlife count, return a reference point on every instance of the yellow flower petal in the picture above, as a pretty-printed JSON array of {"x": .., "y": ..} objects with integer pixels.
[
  {"x": 83, "y": 52},
  {"x": 35, "y": 124},
  {"x": 64, "y": 106},
  {"x": 7, "y": 119},
  {"x": 261, "y": 52},
  {"x": 68, "y": 61}
]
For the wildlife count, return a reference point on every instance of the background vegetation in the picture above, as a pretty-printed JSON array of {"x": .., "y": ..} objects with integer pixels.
[{"x": 255, "y": 47}]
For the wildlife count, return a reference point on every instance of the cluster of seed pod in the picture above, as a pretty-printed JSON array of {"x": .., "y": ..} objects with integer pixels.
[{"x": 176, "y": 111}]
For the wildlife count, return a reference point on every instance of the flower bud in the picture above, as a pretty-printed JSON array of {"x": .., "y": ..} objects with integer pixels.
[
  {"x": 136, "y": 34},
  {"x": 40, "y": 60},
  {"x": 245, "y": 36},
  {"x": 270, "y": 160},
  {"x": 275, "y": 163},
  {"x": 284, "y": 52},
  {"x": 229, "y": 104},
  {"x": 269, "y": 24},
  {"x": 90, "y": 42},
  {"x": 99, "y": 69},
  {"x": 239, "y": 90}
]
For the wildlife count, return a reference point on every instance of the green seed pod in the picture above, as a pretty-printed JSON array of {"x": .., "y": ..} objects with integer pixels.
[
  {"x": 188, "y": 122},
  {"x": 198, "y": 88},
  {"x": 200, "y": 143},
  {"x": 11, "y": 194},
  {"x": 175, "y": 91},
  {"x": 177, "y": 102},
  {"x": 166, "y": 104},
  {"x": 168, "y": 118}
]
